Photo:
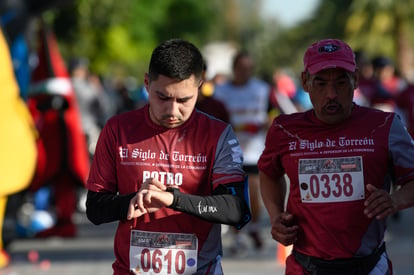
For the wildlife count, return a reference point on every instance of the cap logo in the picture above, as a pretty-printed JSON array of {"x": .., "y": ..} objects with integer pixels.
[{"x": 329, "y": 48}]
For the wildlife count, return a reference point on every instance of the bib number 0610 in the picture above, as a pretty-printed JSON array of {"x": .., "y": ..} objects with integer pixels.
[{"x": 156, "y": 260}]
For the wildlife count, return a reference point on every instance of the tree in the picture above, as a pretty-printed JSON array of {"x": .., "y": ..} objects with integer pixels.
[
  {"x": 118, "y": 36},
  {"x": 286, "y": 46},
  {"x": 382, "y": 27},
  {"x": 379, "y": 27}
]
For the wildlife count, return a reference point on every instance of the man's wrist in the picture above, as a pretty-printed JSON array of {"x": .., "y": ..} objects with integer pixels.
[{"x": 175, "y": 192}]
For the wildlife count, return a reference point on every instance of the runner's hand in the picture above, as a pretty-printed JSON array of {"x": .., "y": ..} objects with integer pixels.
[
  {"x": 379, "y": 203},
  {"x": 284, "y": 230},
  {"x": 150, "y": 198}
]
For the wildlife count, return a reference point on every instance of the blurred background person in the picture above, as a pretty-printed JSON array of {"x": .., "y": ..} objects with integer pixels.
[
  {"x": 247, "y": 100},
  {"x": 63, "y": 160},
  {"x": 286, "y": 96},
  {"x": 94, "y": 104},
  {"x": 405, "y": 102},
  {"x": 388, "y": 85},
  {"x": 129, "y": 95},
  {"x": 365, "y": 91},
  {"x": 207, "y": 103}
]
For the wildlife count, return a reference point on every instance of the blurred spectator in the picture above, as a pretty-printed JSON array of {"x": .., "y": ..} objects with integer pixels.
[
  {"x": 130, "y": 95},
  {"x": 283, "y": 92},
  {"x": 126, "y": 103},
  {"x": 207, "y": 103},
  {"x": 247, "y": 100},
  {"x": 93, "y": 101},
  {"x": 405, "y": 102},
  {"x": 63, "y": 159},
  {"x": 287, "y": 96},
  {"x": 389, "y": 85},
  {"x": 365, "y": 92}
]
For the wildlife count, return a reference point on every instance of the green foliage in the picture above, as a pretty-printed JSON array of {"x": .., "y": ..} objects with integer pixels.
[
  {"x": 375, "y": 26},
  {"x": 118, "y": 36},
  {"x": 382, "y": 27}
]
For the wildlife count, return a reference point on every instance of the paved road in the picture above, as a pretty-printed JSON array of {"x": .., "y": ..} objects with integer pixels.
[{"x": 91, "y": 252}]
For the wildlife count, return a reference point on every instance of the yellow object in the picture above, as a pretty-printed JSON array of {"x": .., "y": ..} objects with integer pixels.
[
  {"x": 207, "y": 89},
  {"x": 17, "y": 140},
  {"x": 4, "y": 259},
  {"x": 17, "y": 131}
]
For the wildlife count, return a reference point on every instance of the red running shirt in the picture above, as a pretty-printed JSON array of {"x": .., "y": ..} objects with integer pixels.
[
  {"x": 329, "y": 167},
  {"x": 195, "y": 157}
]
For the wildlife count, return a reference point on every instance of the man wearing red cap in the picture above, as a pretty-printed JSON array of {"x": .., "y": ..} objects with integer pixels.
[{"x": 340, "y": 159}]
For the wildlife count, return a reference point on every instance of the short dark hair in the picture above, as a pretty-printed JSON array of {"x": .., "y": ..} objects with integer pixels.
[{"x": 176, "y": 58}]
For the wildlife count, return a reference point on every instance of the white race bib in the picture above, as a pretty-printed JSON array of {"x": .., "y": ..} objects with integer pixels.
[
  {"x": 163, "y": 253},
  {"x": 324, "y": 180}
]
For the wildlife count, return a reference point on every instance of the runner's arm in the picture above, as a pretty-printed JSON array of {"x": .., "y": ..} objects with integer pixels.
[
  {"x": 273, "y": 192},
  {"x": 107, "y": 207},
  {"x": 228, "y": 204}
]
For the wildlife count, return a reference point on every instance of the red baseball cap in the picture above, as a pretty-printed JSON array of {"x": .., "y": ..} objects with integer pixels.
[{"x": 329, "y": 53}]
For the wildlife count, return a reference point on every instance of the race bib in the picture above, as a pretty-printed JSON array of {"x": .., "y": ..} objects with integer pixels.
[
  {"x": 163, "y": 253},
  {"x": 325, "y": 180}
]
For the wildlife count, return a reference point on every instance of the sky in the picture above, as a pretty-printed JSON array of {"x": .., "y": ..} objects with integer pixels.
[{"x": 288, "y": 12}]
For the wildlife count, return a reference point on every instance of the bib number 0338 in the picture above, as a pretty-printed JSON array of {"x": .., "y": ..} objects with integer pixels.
[
  {"x": 331, "y": 180},
  {"x": 331, "y": 185}
]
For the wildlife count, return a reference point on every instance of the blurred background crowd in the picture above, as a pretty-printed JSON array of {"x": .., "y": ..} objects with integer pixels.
[{"x": 69, "y": 65}]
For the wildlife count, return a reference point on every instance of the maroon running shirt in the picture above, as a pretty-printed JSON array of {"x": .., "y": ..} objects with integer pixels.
[
  {"x": 195, "y": 157},
  {"x": 329, "y": 167}
]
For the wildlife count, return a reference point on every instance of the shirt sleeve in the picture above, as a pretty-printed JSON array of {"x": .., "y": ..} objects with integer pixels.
[
  {"x": 228, "y": 164},
  {"x": 228, "y": 205},
  {"x": 269, "y": 161},
  {"x": 401, "y": 147},
  {"x": 102, "y": 176}
]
